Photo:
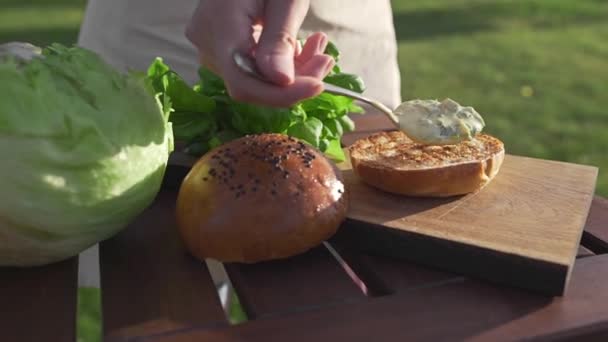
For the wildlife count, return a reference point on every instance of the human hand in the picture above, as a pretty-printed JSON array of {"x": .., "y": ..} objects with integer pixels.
[{"x": 267, "y": 30}]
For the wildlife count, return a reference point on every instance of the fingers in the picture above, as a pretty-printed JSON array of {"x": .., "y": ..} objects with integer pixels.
[
  {"x": 219, "y": 28},
  {"x": 247, "y": 89},
  {"x": 317, "y": 66},
  {"x": 315, "y": 45},
  {"x": 276, "y": 48}
]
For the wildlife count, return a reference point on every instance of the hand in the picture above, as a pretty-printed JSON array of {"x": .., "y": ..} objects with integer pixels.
[{"x": 267, "y": 30}]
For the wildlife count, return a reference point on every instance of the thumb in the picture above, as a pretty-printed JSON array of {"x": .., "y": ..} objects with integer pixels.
[{"x": 277, "y": 45}]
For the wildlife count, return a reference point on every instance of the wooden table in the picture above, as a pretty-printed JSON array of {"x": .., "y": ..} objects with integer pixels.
[{"x": 153, "y": 291}]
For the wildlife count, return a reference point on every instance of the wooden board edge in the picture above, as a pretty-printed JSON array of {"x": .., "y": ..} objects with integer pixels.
[
  {"x": 582, "y": 224},
  {"x": 544, "y": 277}
]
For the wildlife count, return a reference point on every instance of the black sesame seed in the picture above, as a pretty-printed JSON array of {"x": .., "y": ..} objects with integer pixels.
[
  {"x": 205, "y": 179},
  {"x": 273, "y": 192}
]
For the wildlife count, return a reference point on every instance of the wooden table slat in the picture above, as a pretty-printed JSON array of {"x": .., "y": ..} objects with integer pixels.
[
  {"x": 384, "y": 276},
  {"x": 456, "y": 311},
  {"x": 584, "y": 252},
  {"x": 39, "y": 303},
  {"x": 595, "y": 236},
  {"x": 149, "y": 282},
  {"x": 307, "y": 281}
]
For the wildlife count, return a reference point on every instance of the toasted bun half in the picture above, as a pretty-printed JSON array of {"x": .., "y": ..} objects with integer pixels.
[
  {"x": 258, "y": 198},
  {"x": 392, "y": 162}
]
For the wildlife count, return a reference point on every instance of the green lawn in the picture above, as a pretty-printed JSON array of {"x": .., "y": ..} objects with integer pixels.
[{"x": 536, "y": 69}]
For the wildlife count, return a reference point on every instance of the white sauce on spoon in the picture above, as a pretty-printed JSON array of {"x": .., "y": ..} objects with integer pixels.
[{"x": 438, "y": 123}]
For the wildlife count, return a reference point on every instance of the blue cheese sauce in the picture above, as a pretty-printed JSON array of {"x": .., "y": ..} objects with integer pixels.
[{"x": 431, "y": 122}]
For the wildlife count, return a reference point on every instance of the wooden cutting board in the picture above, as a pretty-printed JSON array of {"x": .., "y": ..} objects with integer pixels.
[{"x": 523, "y": 229}]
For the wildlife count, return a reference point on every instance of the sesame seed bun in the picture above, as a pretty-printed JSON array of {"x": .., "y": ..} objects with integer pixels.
[{"x": 260, "y": 197}]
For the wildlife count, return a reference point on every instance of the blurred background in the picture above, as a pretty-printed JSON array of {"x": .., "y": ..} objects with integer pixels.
[{"x": 537, "y": 70}]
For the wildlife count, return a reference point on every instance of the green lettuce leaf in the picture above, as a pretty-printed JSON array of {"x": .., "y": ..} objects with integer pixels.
[{"x": 84, "y": 149}]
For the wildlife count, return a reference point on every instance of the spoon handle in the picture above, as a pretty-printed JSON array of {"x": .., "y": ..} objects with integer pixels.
[
  {"x": 332, "y": 89},
  {"x": 247, "y": 65}
]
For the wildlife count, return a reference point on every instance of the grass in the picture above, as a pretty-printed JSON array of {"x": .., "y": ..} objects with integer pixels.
[
  {"x": 537, "y": 70},
  {"x": 89, "y": 315},
  {"x": 40, "y": 21}
]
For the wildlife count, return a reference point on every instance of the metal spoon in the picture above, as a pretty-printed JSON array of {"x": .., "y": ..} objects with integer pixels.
[{"x": 246, "y": 64}]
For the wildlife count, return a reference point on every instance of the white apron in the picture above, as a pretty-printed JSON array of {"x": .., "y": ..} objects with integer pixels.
[{"x": 130, "y": 33}]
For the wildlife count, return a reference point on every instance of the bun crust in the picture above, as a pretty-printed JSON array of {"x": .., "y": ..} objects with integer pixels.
[
  {"x": 392, "y": 162},
  {"x": 260, "y": 197}
]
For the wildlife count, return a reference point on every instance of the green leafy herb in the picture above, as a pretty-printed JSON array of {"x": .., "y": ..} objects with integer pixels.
[
  {"x": 309, "y": 130},
  {"x": 205, "y": 116},
  {"x": 348, "y": 81}
]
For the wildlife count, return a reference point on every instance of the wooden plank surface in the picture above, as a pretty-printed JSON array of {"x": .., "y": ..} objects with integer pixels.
[
  {"x": 306, "y": 282},
  {"x": 39, "y": 303},
  {"x": 456, "y": 311},
  {"x": 149, "y": 283}
]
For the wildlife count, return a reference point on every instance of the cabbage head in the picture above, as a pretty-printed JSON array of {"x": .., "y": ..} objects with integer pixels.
[{"x": 83, "y": 151}]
